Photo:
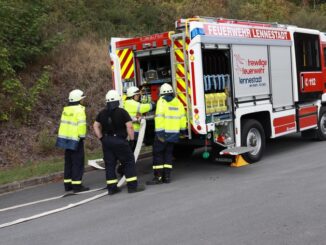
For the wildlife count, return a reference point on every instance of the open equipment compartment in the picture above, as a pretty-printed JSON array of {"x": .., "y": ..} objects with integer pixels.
[
  {"x": 218, "y": 93},
  {"x": 153, "y": 69}
]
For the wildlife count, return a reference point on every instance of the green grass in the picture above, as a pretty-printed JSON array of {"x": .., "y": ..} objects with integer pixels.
[{"x": 36, "y": 169}]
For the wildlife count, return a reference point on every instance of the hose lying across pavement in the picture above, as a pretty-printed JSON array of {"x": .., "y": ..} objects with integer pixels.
[
  {"x": 48, "y": 199},
  {"x": 72, "y": 205}
]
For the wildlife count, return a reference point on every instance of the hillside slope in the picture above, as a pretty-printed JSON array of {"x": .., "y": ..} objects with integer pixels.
[{"x": 48, "y": 48}]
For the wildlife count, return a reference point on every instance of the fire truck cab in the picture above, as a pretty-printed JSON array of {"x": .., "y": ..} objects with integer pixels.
[{"x": 239, "y": 81}]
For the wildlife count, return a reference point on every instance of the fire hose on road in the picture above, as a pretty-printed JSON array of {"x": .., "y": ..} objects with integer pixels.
[{"x": 93, "y": 163}]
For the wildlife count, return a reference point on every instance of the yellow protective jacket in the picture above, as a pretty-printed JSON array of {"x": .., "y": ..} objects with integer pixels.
[
  {"x": 170, "y": 118},
  {"x": 72, "y": 127},
  {"x": 136, "y": 109}
]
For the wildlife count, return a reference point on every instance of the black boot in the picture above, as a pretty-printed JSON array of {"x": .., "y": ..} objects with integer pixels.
[
  {"x": 166, "y": 178},
  {"x": 155, "y": 181},
  {"x": 112, "y": 191},
  {"x": 79, "y": 188},
  {"x": 138, "y": 188},
  {"x": 68, "y": 187},
  {"x": 158, "y": 173}
]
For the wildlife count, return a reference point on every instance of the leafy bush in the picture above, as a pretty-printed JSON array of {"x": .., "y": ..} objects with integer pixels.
[
  {"x": 21, "y": 42},
  {"x": 17, "y": 100}
]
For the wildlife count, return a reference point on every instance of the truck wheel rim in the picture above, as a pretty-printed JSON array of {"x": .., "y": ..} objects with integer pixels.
[
  {"x": 254, "y": 140},
  {"x": 323, "y": 123}
]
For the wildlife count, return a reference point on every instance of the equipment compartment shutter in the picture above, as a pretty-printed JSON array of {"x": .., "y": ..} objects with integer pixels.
[
  {"x": 250, "y": 69},
  {"x": 281, "y": 76}
]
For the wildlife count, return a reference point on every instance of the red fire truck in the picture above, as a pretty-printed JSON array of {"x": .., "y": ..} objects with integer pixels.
[{"x": 239, "y": 81}]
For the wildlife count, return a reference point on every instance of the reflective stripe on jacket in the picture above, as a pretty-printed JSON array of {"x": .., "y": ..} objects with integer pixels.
[
  {"x": 135, "y": 109},
  {"x": 170, "y": 119},
  {"x": 72, "y": 127}
]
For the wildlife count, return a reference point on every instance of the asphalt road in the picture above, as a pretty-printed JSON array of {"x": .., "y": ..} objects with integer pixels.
[{"x": 280, "y": 200}]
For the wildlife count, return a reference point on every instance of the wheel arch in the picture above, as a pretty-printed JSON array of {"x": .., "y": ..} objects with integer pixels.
[{"x": 263, "y": 117}]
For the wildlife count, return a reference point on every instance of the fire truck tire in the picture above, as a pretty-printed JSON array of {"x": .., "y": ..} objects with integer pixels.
[
  {"x": 183, "y": 151},
  {"x": 252, "y": 134},
  {"x": 321, "y": 131}
]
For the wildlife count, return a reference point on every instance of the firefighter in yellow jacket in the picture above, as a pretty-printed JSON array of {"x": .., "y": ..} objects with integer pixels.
[
  {"x": 136, "y": 109},
  {"x": 72, "y": 132},
  {"x": 170, "y": 124}
]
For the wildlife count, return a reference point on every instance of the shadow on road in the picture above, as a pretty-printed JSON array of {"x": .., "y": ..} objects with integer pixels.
[{"x": 195, "y": 163}]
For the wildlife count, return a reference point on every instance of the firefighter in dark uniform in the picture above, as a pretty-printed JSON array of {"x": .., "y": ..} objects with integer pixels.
[
  {"x": 112, "y": 126},
  {"x": 72, "y": 132},
  {"x": 170, "y": 124}
]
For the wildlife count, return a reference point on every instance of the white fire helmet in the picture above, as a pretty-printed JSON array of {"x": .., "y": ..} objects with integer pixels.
[
  {"x": 112, "y": 95},
  {"x": 132, "y": 91},
  {"x": 76, "y": 95},
  {"x": 166, "y": 89}
]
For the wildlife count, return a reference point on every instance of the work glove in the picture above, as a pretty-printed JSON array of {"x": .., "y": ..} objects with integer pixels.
[
  {"x": 161, "y": 139},
  {"x": 160, "y": 136},
  {"x": 183, "y": 134},
  {"x": 137, "y": 118}
]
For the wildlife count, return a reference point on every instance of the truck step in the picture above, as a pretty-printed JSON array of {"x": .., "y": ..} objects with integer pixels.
[{"x": 236, "y": 150}]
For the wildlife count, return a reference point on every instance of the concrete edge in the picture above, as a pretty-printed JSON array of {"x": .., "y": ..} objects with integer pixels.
[{"x": 54, "y": 177}]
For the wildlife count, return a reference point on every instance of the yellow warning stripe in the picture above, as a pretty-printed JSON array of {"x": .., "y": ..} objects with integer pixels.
[
  {"x": 125, "y": 65},
  {"x": 180, "y": 72},
  {"x": 131, "y": 70},
  {"x": 180, "y": 42},
  {"x": 122, "y": 56},
  {"x": 179, "y": 53},
  {"x": 181, "y": 68},
  {"x": 181, "y": 80},
  {"x": 182, "y": 83},
  {"x": 181, "y": 96}
]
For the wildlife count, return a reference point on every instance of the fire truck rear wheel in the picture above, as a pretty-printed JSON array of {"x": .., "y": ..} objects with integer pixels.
[
  {"x": 253, "y": 135},
  {"x": 321, "y": 131}
]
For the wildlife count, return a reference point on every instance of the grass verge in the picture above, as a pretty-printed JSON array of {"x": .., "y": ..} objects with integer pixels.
[
  {"x": 36, "y": 169},
  {"x": 41, "y": 168}
]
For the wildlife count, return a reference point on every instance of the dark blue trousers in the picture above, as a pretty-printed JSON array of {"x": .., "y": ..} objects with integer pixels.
[
  {"x": 74, "y": 165},
  {"x": 116, "y": 148},
  {"x": 162, "y": 157}
]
